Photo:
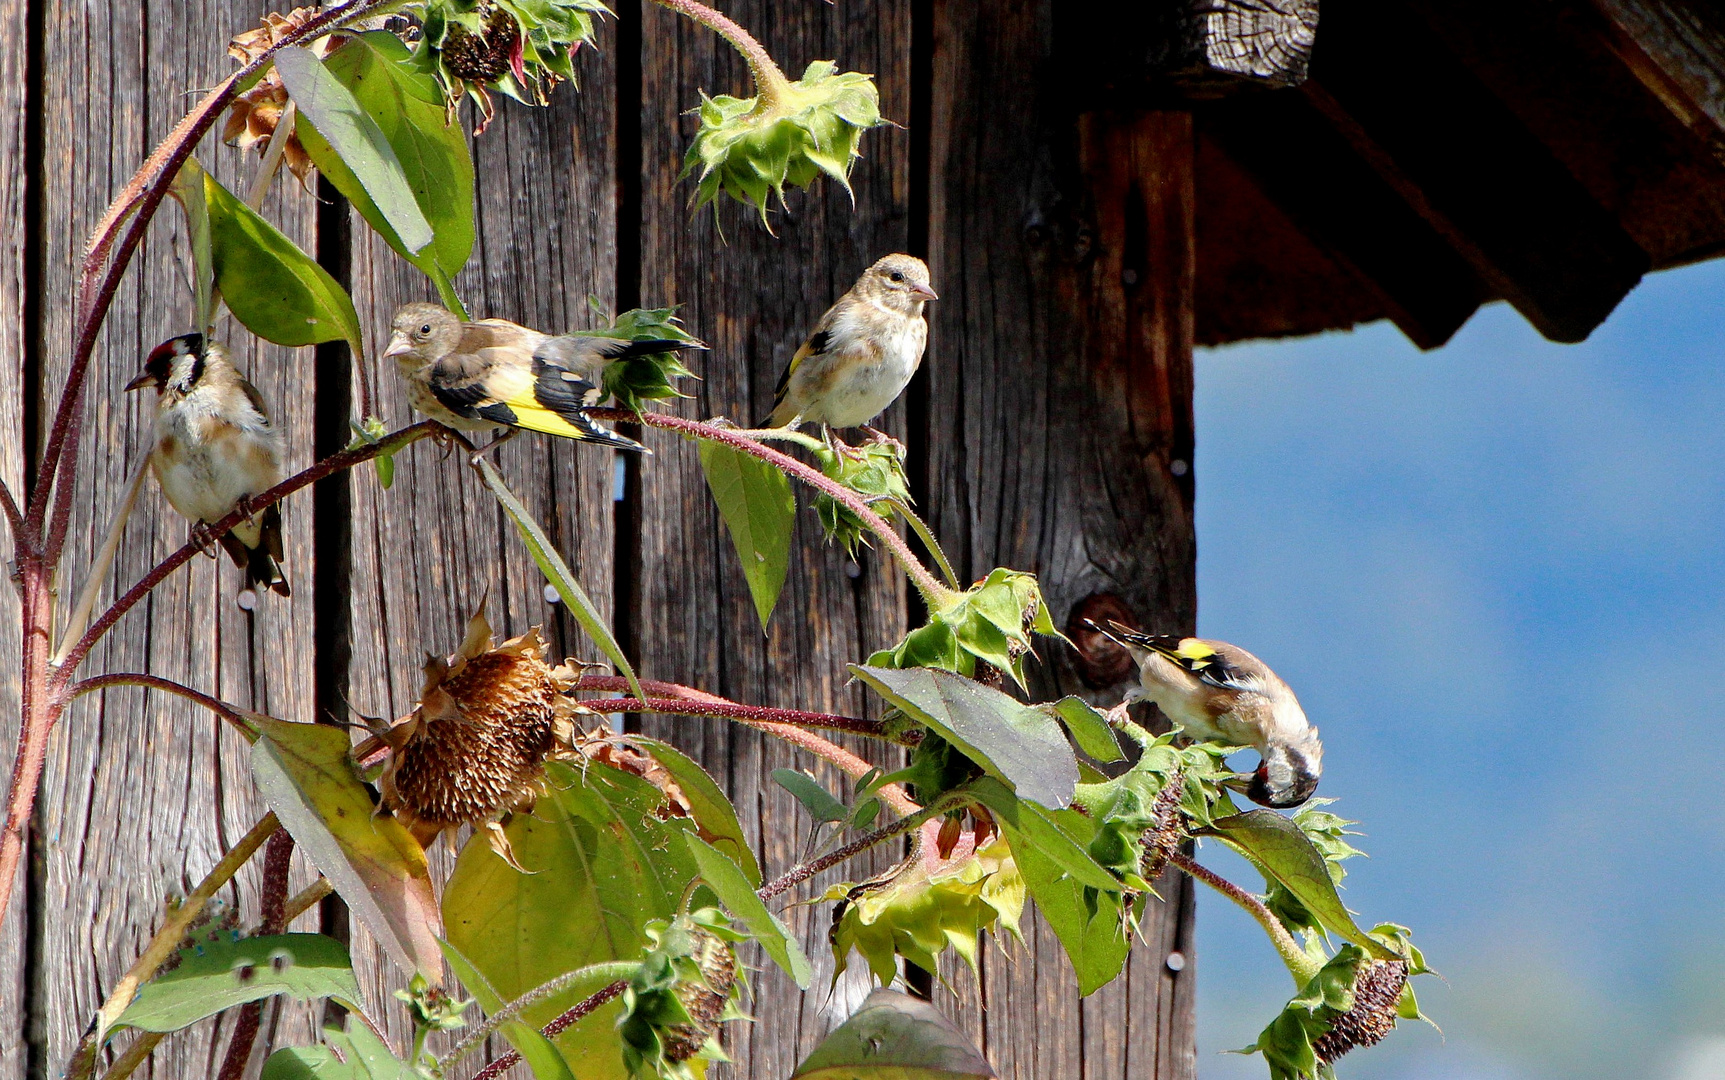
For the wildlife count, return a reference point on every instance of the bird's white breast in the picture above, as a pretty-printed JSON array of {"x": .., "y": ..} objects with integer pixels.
[
  {"x": 206, "y": 461},
  {"x": 869, "y": 383}
]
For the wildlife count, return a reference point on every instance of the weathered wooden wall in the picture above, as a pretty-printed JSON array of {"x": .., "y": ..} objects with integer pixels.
[{"x": 1055, "y": 389}]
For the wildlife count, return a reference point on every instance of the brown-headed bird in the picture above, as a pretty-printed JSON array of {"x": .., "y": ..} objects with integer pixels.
[
  {"x": 491, "y": 374},
  {"x": 862, "y": 353},
  {"x": 1221, "y": 693},
  {"x": 216, "y": 450}
]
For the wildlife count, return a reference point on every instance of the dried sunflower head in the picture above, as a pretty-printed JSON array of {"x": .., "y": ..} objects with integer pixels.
[
  {"x": 474, "y": 750},
  {"x": 519, "y": 48},
  {"x": 1378, "y": 986},
  {"x": 253, "y": 116}
]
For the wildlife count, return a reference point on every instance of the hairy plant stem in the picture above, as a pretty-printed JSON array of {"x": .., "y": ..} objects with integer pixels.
[
  {"x": 1300, "y": 966},
  {"x": 278, "y": 859},
  {"x": 231, "y": 713},
  {"x": 872, "y": 729},
  {"x": 799, "y": 874},
  {"x": 161, "y": 946},
  {"x": 770, "y": 82},
  {"x": 569, "y": 1018},
  {"x": 44, "y": 687},
  {"x": 937, "y": 596},
  {"x": 508, "y": 1014}
]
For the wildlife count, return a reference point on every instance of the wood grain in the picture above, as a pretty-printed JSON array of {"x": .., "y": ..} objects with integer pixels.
[
  {"x": 143, "y": 793},
  {"x": 754, "y": 298},
  {"x": 1060, "y": 441}
]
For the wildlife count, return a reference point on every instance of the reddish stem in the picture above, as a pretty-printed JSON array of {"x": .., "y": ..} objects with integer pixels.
[
  {"x": 278, "y": 859},
  {"x": 221, "y": 708},
  {"x": 799, "y": 874},
  {"x": 936, "y": 594},
  {"x": 728, "y": 710},
  {"x": 335, "y": 463},
  {"x": 569, "y": 1018},
  {"x": 13, "y": 518}
]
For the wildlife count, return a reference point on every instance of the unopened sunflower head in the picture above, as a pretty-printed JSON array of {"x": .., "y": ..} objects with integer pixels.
[
  {"x": 475, "y": 749},
  {"x": 687, "y": 987},
  {"x": 520, "y": 49},
  {"x": 786, "y": 135},
  {"x": 254, "y": 115}
]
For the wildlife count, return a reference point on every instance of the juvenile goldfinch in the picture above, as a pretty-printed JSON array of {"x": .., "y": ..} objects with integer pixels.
[
  {"x": 863, "y": 351},
  {"x": 491, "y": 374},
  {"x": 1221, "y": 693},
  {"x": 215, "y": 450}
]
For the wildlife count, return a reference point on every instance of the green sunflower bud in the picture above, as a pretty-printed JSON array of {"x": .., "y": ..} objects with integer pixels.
[{"x": 788, "y": 134}]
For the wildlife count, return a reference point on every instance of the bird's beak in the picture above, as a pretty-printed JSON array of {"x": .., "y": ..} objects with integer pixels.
[
  {"x": 399, "y": 343},
  {"x": 144, "y": 379},
  {"x": 924, "y": 292}
]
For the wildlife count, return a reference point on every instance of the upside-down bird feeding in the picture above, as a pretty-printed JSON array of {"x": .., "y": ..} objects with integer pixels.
[
  {"x": 494, "y": 374},
  {"x": 1221, "y": 693},
  {"x": 862, "y": 353},
  {"x": 216, "y": 450}
]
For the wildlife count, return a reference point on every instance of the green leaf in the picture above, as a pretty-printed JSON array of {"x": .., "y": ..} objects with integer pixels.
[
  {"x": 216, "y": 975},
  {"x": 539, "y": 1052},
  {"x": 756, "y": 502},
  {"x": 895, "y": 1037},
  {"x": 355, "y": 1054},
  {"x": 1089, "y": 728},
  {"x": 602, "y": 866},
  {"x": 330, "y": 108},
  {"x": 639, "y": 379},
  {"x": 270, "y": 285},
  {"x": 714, "y": 814},
  {"x": 557, "y": 572},
  {"x": 1013, "y": 741},
  {"x": 307, "y": 776},
  {"x": 188, "y": 191},
  {"x": 1092, "y": 924},
  {"x": 407, "y": 107},
  {"x": 1032, "y": 827},
  {"x": 821, "y": 804},
  {"x": 1281, "y": 849},
  {"x": 726, "y": 880}
]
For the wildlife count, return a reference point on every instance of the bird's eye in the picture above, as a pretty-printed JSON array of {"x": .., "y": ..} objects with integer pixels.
[
  {"x": 896, "y": 276},
  {"x": 425, "y": 331}
]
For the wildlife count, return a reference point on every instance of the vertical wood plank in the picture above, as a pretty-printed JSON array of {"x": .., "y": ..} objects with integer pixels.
[
  {"x": 1061, "y": 436},
  {"x": 754, "y": 298},
  {"x": 431, "y": 549},
  {"x": 142, "y": 794}
]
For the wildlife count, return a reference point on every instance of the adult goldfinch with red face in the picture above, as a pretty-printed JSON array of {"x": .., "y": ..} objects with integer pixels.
[
  {"x": 862, "y": 353},
  {"x": 215, "y": 450},
  {"x": 494, "y": 374},
  {"x": 1221, "y": 693}
]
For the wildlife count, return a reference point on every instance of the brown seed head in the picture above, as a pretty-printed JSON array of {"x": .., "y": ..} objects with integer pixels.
[
  {"x": 704, "y": 1000},
  {"x": 483, "y": 57},
  {"x": 1166, "y": 832},
  {"x": 1377, "y": 988}
]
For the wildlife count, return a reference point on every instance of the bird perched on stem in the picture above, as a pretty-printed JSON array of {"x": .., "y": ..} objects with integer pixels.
[
  {"x": 215, "y": 451},
  {"x": 862, "y": 353},
  {"x": 491, "y": 374},
  {"x": 1221, "y": 693}
]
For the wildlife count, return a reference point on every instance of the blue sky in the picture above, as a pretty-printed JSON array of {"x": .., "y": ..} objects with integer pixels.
[{"x": 1495, "y": 575}]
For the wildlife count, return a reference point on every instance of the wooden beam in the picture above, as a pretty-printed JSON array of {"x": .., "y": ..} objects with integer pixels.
[
  {"x": 1194, "y": 48},
  {"x": 1309, "y": 171},
  {"x": 1677, "y": 49},
  {"x": 1467, "y": 165}
]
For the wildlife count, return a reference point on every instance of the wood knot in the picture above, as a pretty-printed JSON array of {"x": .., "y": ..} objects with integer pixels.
[{"x": 1100, "y": 662}]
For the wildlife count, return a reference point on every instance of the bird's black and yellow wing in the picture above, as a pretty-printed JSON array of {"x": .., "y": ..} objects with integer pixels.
[{"x": 1193, "y": 654}]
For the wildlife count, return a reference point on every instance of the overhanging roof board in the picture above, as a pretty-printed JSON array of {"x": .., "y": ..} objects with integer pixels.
[{"x": 1448, "y": 152}]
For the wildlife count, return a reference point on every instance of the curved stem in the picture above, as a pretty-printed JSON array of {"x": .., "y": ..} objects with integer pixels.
[
  {"x": 797, "y": 875},
  {"x": 926, "y": 535},
  {"x": 104, "y": 265},
  {"x": 1299, "y": 964},
  {"x": 770, "y": 82},
  {"x": 936, "y": 595},
  {"x": 14, "y": 519},
  {"x": 873, "y": 729},
  {"x": 568, "y": 1019},
  {"x": 227, "y": 712},
  {"x": 166, "y": 940},
  {"x": 508, "y": 1014},
  {"x": 347, "y": 459}
]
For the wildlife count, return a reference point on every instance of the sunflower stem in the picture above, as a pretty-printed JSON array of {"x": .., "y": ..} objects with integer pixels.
[{"x": 771, "y": 83}]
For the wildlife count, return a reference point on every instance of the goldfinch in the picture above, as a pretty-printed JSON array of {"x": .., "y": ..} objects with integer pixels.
[
  {"x": 1221, "y": 693},
  {"x": 215, "y": 450},
  {"x": 491, "y": 374},
  {"x": 863, "y": 351}
]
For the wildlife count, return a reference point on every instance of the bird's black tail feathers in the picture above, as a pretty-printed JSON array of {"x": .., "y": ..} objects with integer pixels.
[
  {"x": 262, "y": 564},
  {"x": 1126, "y": 637}
]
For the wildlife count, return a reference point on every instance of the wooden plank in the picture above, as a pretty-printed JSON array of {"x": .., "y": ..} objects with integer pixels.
[
  {"x": 1327, "y": 191},
  {"x": 142, "y": 794},
  {"x": 1059, "y": 405},
  {"x": 1676, "y": 48},
  {"x": 754, "y": 297},
  {"x": 434, "y": 547},
  {"x": 1460, "y": 157},
  {"x": 1199, "y": 48}
]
